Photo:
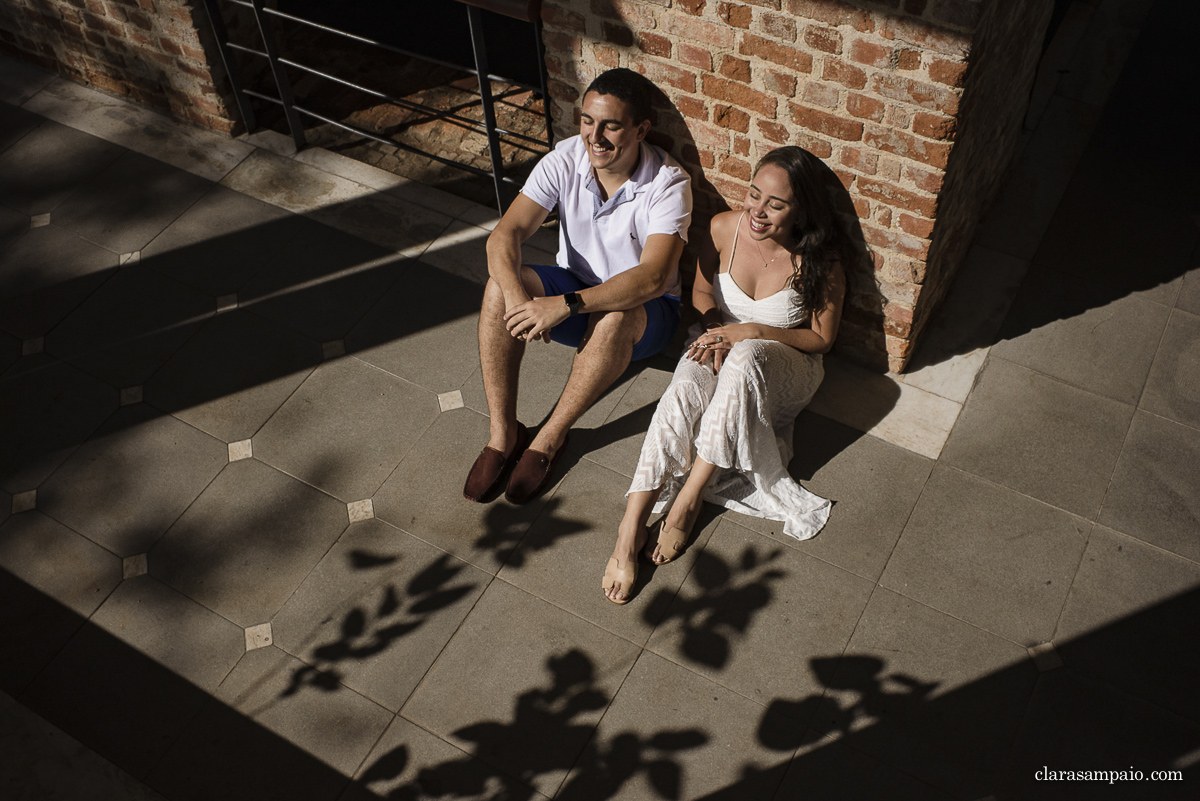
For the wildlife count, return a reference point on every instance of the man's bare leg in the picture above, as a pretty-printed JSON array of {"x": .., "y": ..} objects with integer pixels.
[
  {"x": 500, "y": 357},
  {"x": 603, "y": 355}
]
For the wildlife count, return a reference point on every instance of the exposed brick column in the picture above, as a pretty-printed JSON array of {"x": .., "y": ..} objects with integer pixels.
[
  {"x": 880, "y": 90},
  {"x": 153, "y": 51}
]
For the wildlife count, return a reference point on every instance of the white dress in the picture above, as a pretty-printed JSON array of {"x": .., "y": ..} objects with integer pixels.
[{"x": 740, "y": 420}]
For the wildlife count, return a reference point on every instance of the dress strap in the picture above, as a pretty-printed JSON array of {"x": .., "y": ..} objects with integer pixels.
[{"x": 733, "y": 248}]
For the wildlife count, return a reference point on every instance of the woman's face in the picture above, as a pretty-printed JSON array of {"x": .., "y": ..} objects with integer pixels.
[{"x": 770, "y": 204}]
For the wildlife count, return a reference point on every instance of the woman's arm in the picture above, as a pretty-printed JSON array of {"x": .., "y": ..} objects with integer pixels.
[
  {"x": 816, "y": 339},
  {"x": 708, "y": 264}
]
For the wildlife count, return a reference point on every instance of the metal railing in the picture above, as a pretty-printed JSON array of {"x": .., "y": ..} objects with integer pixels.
[{"x": 265, "y": 18}]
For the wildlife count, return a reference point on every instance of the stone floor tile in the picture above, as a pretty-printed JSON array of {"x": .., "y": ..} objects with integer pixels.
[
  {"x": 255, "y": 740},
  {"x": 617, "y": 443},
  {"x": 1040, "y": 437},
  {"x": 1155, "y": 489},
  {"x": 385, "y": 220},
  {"x": 1145, "y": 256},
  {"x": 913, "y": 688},
  {"x": 435, "y": 345},
  {"x": 1173, "y": 389},
  {"x": 51, "y": 580},
  {"x": 222, "y": 241},
  {"x": 47, "y": 272},
  {"x": 10, "y": 351},
  {"x": 429, "y": 197},
  {"x": 424, "y": 495},
  {"x": 1128, "y": 621},
  {"x": 12, "y": 225},
  {"x": 873, "y": 485},
  {"x": 20, "y": 81},
  {"x": 173, "y": 630},
  {"x": 49, "y": 164},
  {"x": 895, "y": 412},
  {"x": 232, "y": 375},
  {"x": 116, "y": 700},
  {"x": 744, "y": 616},
  {"x": 129, "y": 202},
  {"x": 375, "y": 613},
  {"x": 49, "y": 408},
  {"x": 290, "y": 185},
  {"x": 671, "y": 733},
  {"x": 346, "y": 428},
  {"x": 207, "y": 154},
  {"x": 988, "y": 555},
  {"x": 1074, "y": 723},
  {"x": 321, "y": 283},
  {"x": 1034, "y": 187},
  {"x": 832, "y": 771},
  {"x": 44, "y": 762},
  {"x": 1189, "y": 294},
  {"x": 15, "y": 123},
  {"x": 132, "y": 324},
  {"x": 1069, "y": 330},
  {"x": 563, "y": 557},
  {"x": 348, "y": 168},
  {"x": 125, "y": 486},
  {"x": 248, "y": 541},
  {"x": 410, "y": 762},
  {"x": 459, "y": 251},
  {"x": 522, "y": 686}
]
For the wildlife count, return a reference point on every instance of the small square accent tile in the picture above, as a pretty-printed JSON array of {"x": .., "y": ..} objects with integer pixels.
[
  {"x": 450, "y": 400},
  {"x": 134, "y": 566},
  {"x": 24, "y": 501},
  {"x": 227, "y": 302},
  {"x": 360, "y": 510},
  {"x": 130, "y": 258},
  {"x": 1045, "y": 657},
  {"x": 39, "y": 220},
  {"x": 32, "y": 346},
  {"x": 334, "y": 349},
  {"x": 258, "y": 636},
  {"x": 131, "y": 395},
  {"x": 242, "y": 449}
]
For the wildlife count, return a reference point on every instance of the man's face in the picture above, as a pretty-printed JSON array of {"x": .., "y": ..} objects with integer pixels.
[{"x": 610, "y": 134}]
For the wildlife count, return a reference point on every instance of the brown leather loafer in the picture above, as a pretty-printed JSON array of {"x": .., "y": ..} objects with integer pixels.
[
  {"x": 490, "y": 467},
  {"x": 531, "y": 473}
]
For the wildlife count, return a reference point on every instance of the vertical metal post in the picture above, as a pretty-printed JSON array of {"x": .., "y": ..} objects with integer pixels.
[
  {"x": 235, "y": 79},
  {"x": 541, "y": 57},
  {"x": 281, "y": 80},
  {"x": 479, "y": 45}
]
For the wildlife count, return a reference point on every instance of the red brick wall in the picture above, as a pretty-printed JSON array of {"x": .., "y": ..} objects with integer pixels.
[
  {"x": 876, "y": 89},
  {"x": 151, "y": 51}
]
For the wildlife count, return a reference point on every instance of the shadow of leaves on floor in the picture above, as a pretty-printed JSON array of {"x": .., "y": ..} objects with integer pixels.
[
  {"x": 722, "y": 607},
  {"x": 366, "y": 633}
]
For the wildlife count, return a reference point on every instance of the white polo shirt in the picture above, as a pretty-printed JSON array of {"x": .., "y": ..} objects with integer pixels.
[{"x": 598, "y": 239}]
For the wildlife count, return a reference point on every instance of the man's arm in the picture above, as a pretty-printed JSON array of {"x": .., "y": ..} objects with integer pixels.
[
  {"x": 520, "y": 222},
  {"x": 627, "y": 290}
]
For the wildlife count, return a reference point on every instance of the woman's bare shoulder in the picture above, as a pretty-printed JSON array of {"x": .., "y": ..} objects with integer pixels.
[{"x": 722, "y": 227}]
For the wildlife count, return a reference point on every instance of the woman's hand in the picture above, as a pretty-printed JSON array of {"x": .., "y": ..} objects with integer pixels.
[
  {"x": 534, "y": 318},
  {"x": 713, "y": 345}
]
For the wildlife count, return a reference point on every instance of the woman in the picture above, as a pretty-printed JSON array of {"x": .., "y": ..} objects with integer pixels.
[{"x": 769, "y": 289}]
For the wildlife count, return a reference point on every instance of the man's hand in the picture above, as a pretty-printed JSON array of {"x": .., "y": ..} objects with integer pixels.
[{"x": 534, "y": 318}]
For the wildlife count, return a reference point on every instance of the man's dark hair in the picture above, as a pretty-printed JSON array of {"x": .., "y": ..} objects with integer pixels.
[{"x": 625, "y": 85}]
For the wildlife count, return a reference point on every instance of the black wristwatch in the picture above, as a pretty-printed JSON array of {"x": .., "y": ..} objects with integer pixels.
[{"x": 574, "y": 303}]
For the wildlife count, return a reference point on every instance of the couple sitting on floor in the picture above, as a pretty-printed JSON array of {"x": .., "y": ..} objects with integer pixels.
[{"x": 768, "y": 287}]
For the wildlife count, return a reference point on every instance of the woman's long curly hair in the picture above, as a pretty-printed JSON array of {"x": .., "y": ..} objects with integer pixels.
[{"x": 818, "y": 237}]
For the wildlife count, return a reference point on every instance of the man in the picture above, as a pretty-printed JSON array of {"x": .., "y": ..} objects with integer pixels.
[{"x": 624, "y": 208}]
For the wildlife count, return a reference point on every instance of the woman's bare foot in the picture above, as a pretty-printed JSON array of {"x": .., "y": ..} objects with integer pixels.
[
  {"x": 631, "y": 538},
  {"x": 681, "y": 517}
]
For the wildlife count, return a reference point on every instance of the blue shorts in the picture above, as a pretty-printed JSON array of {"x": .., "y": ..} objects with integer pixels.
[{"x": 662, "y": 314}]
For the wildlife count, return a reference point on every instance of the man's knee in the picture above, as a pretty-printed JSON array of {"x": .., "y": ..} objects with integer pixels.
[{"x": 615, "y": 326}]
